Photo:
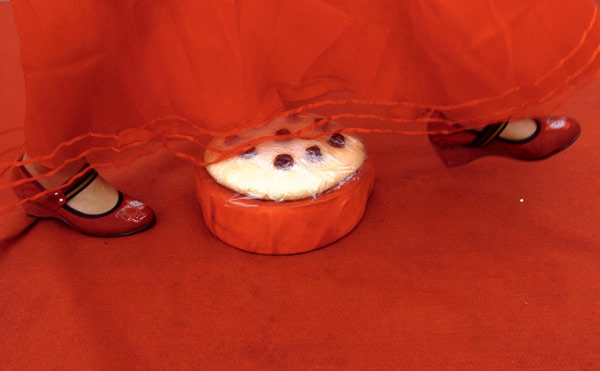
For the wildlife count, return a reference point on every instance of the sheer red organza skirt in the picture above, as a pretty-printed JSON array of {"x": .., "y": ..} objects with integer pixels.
[{"x": 114, "y": 80}]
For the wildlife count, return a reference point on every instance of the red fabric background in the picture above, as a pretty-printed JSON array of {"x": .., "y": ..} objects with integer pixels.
[
  {"x": 144, "y": 75},
  {"x": 448, "y": 270}
]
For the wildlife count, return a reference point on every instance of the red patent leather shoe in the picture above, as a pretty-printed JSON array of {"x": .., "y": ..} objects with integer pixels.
[
  {"x": 127, "y": 217},
  {"x": 553, "y": 134}
]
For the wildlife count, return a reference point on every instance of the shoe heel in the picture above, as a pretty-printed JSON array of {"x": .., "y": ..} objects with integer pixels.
[
  {"x": 454, "y": 156},
  {"x": 33, "y": 209}
]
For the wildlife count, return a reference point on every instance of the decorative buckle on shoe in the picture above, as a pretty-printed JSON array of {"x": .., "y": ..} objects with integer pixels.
[{"x": 53, "y": 200}]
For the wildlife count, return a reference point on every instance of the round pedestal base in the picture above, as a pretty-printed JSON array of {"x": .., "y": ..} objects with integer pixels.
[{"x": 279, "y": 228}]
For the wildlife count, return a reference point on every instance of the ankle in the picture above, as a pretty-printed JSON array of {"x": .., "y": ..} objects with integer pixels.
[{"x": 57, "y": 179}]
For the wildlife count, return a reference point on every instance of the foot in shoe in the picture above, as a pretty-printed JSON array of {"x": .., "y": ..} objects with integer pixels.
[
  {"x": 518, "y": 130},
  {"x": 97, "y": 198}
]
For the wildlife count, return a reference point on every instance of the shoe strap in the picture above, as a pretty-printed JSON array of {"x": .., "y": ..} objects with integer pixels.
[
  {"x": 57, "y": 199},
  {"x": 488, "y": 134},
  {"x": 81, "y": 183}
]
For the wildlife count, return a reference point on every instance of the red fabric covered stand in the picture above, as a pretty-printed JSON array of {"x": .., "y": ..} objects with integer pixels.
[{"x": 281, "y": 228}]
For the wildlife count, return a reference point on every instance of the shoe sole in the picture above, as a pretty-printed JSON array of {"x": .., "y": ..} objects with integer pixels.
[{"x": 146, "y": 227}]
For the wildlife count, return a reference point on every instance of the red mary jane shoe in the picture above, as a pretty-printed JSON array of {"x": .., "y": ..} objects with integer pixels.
[
  {"x": 127, "y": 217},
  {"x": 553, "y": 134}
]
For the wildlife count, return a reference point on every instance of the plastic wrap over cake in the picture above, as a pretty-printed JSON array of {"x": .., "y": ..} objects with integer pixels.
[{"x": 287, "y": 169}]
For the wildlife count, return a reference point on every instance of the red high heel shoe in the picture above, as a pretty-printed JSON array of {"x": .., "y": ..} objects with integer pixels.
[
  {"x": 127, "y": 217},
  {"x": 553, "y": 135}
]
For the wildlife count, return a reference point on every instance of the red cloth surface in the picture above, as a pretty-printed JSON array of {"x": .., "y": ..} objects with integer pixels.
[{"x": 447, "y": 270}]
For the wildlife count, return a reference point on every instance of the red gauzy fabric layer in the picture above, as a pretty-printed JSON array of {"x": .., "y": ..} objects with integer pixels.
[{"x": 112, "y": 81}]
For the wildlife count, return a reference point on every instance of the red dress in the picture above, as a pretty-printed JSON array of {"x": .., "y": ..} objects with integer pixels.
[{"x": 115, "y": 80}]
